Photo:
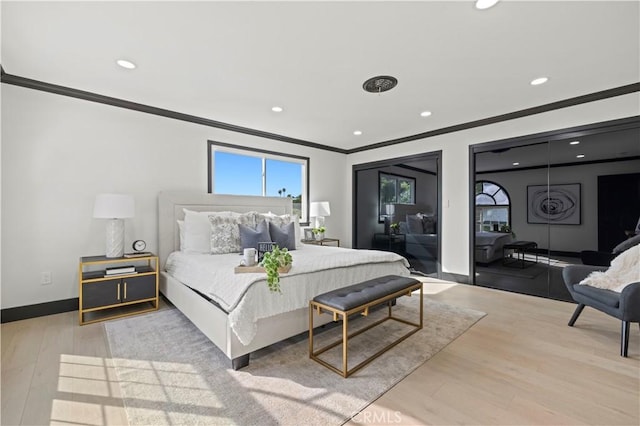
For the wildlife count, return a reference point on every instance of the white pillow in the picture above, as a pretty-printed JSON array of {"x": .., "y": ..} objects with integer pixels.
[
  {"x": 181, "y": 230},
  {"x": 196, "y": 236}
]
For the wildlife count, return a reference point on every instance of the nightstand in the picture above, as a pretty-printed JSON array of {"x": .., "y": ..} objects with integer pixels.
[
  {"x": 323, "y": 242},
  {"x": 116, "y": 287},
  {"x": 390, "y": 242}
]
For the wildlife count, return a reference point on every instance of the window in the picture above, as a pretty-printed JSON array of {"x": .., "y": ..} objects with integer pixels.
[
  {"x": 492, "y": 207},
  {"x": 240, "y": 171},
  {"x": 395, "y": 189}
]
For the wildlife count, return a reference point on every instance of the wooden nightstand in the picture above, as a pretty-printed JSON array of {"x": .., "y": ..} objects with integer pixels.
[
  {"x": 323, "y": 242},
  {"x": 103, "y": 296}
]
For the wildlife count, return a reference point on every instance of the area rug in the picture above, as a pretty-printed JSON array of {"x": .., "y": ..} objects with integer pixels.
[{"x": 171, "y": 374}]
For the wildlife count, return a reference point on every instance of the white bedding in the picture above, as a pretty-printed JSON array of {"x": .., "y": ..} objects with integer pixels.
[
  {"x": 246, "y": 297},
  {"x": 490, "y": 238}
]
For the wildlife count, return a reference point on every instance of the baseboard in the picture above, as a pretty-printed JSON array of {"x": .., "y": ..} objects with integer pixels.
[
  {"x": 458, "y": 278},
  {"x": 38, "y": 310},
  {"x": 544, "y": 252}
]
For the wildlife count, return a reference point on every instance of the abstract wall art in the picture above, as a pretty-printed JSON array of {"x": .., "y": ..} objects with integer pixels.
[{"x": 554, "y": 204}]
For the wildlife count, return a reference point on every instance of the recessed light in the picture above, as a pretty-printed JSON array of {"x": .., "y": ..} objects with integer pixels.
[
  {"x": 516, "y": 164},
  {"x": 539, "y": 81},
  {"x": 485, "y": 4},
  {"x": 357, "y": 132},
  {"x": 277, "y": 109},
  {"x": 580, "y": 156},
  {"x": 126, "y": 64},
  {"x": 574, "y": 143},
  {"x": 425, "y": 113}
]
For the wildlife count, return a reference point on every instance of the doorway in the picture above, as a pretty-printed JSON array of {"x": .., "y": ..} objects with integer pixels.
[{"x": 397, "y": 206}]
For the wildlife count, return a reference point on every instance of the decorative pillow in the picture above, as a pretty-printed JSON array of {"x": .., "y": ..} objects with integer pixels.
[
  {"x": 414, "y": 224},
  {"x": 283, "y": 220},
  {"x": 429, "y": 224},
  {"x": 298, "y": 232},
  {"x": 196, "y": 233},
  {"x": 250, "y": 237},
  {"x": 272, "y": 217},
  {"x": 225, "y": 233},
  {"x": 626, "y": 244},
  {"x": 284, "y": 236}
]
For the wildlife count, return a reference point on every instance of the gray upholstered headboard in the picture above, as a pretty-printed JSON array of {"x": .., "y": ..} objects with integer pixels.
[{"x": 171, "y": 205}]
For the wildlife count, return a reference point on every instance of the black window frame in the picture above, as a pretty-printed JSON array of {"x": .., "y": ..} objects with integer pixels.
[{"x": 304, "y": 216}]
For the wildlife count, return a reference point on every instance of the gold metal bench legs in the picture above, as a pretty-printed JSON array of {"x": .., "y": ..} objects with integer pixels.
[{"x": 364, "y": 309}]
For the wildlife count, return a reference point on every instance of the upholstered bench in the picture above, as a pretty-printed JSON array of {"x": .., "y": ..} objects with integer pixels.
[{"x": 358, "y": 298}]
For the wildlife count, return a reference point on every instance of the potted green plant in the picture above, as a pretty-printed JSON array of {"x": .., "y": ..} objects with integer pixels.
[
  {"x": 395, "y": 227},
  {"x": 274, "y": 262},
  {"x": 319, "y": 233}
]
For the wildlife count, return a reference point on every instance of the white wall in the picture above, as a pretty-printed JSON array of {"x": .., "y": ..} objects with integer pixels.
[
  {"x": 59, "y": 152},
  {"x": 455, "y": 162}
]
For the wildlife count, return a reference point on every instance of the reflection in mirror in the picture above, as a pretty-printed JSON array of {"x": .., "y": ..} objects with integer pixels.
[
  {"x": 572, "y": 200},
  {"x": 396, "y": 209}
]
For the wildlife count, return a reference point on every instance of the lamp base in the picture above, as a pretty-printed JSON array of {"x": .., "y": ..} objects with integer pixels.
[{"x": 115, "y": 238}]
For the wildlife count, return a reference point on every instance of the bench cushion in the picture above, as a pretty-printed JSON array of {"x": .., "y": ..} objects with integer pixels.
[{"x": 350, "y": 297}]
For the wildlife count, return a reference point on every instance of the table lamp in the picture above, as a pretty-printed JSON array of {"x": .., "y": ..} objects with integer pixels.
[
  {"x": 320, "y": 209},
  {"x": 114, "y": 207}
]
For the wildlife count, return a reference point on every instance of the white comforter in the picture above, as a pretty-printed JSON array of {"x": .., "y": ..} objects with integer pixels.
[{"x": 246, "y": 296}]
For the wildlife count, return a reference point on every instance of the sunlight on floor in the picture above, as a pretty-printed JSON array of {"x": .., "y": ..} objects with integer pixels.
[
  {"x": 434, "y": 285},
  {"x": 92, "y": 389}
]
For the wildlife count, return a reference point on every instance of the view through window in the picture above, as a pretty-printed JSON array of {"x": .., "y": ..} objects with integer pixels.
[
  {"x": 492, "y": 207},
  {"x": 395, "y": 189},
  {"x": 238, "y": 171}
]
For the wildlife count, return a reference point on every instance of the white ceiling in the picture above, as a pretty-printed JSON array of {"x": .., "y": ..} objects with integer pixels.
[{"x": 233, "y": 61}]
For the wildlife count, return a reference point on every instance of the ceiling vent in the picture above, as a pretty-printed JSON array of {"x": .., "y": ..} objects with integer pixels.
[{"x": 380, "y": 84}]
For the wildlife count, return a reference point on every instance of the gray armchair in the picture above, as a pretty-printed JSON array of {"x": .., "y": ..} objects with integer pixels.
[{"x": 624, "y": 305}]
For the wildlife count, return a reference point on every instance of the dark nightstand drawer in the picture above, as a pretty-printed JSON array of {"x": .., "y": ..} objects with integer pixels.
[
  {"x": 137, "y": 288},
  {"x": 101, "y": 293}
]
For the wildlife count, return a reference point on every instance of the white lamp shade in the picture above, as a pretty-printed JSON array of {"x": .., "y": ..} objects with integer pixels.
[
  {"x": 390, "y": 209},
  {"x": 320, "y": 209},
  {"x": 113, "y": 206}
]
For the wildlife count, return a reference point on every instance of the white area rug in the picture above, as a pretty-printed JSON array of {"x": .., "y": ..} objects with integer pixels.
[{"x": 170, "y": 373}]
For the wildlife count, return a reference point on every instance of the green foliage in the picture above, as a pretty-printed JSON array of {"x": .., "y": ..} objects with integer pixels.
[
  {"x": 273, "y": 260},
  {"x": 319, "y": 230}
]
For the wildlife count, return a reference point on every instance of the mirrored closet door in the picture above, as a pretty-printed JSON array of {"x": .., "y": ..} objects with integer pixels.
[
  {"x": 544, "y": 202},
  {"x": 397, "y": 208}
]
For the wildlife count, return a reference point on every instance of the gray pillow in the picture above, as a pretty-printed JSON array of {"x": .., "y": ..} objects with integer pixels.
[
  {"x": 414, "y": 224},
  {"x": 626, "y": 244},
  {"x": 284, "y": 236},
  {"x": 250, "y": 237},
  {"x": 429, "y": 224}
]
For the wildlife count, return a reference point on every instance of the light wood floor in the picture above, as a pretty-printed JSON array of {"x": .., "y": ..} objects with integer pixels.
[{"x": 521, "y": 364}]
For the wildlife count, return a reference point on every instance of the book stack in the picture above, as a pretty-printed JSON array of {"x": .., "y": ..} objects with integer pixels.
[
  {"x": 120, "y": 270},
  {"x": 137, "y": 254}
]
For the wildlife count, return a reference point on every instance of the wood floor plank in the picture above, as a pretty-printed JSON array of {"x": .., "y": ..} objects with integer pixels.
[{"x": 520, "y": 364}]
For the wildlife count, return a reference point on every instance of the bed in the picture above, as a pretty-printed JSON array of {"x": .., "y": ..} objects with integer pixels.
[
  {"x": 245, "y": 316},
  {"x": 488, "y": 246},
  {"x": 419, "y": 224}
]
